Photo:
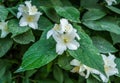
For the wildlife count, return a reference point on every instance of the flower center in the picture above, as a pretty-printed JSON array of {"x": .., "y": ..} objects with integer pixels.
[
  {"x": 65, "y": 40},
  {"x": 106, "y": 68},
  {"x": 29, "y": 18},
  {"x": 76, "y": 69}
]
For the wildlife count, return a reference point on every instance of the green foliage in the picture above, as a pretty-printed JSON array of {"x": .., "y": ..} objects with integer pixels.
[
  {"x": 37, "y": 56},
  {"x": 70, "y": 13},
  {"x": 3, "y": 13},
  {"x": 15, "y": 29},
  {"x": 87, "y": 53},
  {"x": 105, "y": 24},
  {"x": 27, "y": 56},
  {"x": 24, "y": 38},
  {"x": 58, "y": 74},
  {"x": 103, "y": 45},
  {"x": 5, "y": 45},
  {"x": 94, "y": 14}
]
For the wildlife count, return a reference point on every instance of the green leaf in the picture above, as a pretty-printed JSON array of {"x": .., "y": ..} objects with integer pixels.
[
  {"x": 92, "y": 80},
  {"x": 7, "y": 78},
  {"x": 70, "y": 13},
  {"x": 93, "y": 14},
  {"x": 39, "y": 54},
  {"x": 43, "y": 23},
  {"x": 24, "y": 38},
  {"x": 51, "y": 13},
  {"x": 103, "y": 45},
  {"x": 5, "y": 45},
  {"x": 2, "y": 68},
  {"x": 67, "y": 78},
  {"x": 47, "y": 81},
  {"x": 115, "y": 38},
  {"x": 114, "y": 9},
  {"x": 64, "y": 62},
  {"x": 3, "y": 13},
  {"x": 106, "y": 24},
  {"x": 117, "y": 61},
  {"x": 57, "y": 2},
  {"x": 58, "y": 74},
  {"x": 87, "y": 53},
  {"x": 15, "y": 29},
  {"x": 89, "y": 3}
]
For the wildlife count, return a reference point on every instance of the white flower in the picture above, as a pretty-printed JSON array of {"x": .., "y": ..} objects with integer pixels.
[
  {"x": 28, "y": 8},
  {"x": 21, "y": 9},
  {"x": 109, "y": 67},
  {"x": 81, "y": 68},
  {"x": 54, "y": 31},
  {"x": 64, "y": 34},
  {"x": 32, "y": 10},
  {"x": 65, "y": 41},
  {"x": 4, "y": 29},
  {"x": 64, "y": 27},
  {"x": 30, "y": 20},
  {"x": 109, "y": 2},
  {"x": 30, "y": 15}
]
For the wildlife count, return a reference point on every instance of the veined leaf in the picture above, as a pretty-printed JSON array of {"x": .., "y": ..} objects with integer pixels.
[
  {"x": 70, "y": 13},
  {"x": 25, "y": 38},
  {"x": 15, "y": 29},
  {"x": 106, "y": 24},
  {"x": 93, "y": 14},
  {"x": 39, "y": 54},
  {"x": 5, "y": 45},
  {"x": 3, "y": 13},
  {"x": 103, "y": 45}
]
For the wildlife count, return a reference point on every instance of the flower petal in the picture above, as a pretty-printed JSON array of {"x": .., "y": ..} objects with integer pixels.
[
  {"x": 73, "y": 45},
  {"x": 49, "y": 33},
  {"x": 23, "y": 22},
  {"x": 33, "y": 25},
  {"x": 60, "y": 48},
  {"x": 75, "y": 62}
]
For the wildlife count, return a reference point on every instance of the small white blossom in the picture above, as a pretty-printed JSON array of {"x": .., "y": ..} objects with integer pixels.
[
  {"x": 64, "y": 34},
  {"x": 54, "y": 31},
  {"x": 109, "y": 67},
  {"x": 81, "y": 68},
  {"x": 110, "y": 2},
  {"x": 21, "y": 10},
  {"x": 30, "y": 20},
  {"x": 32, "y": 10},
  {"x": 30, "y": 15},
  {"x": 28, "y": 8},
  {"x": 65, "y": 41},
  {"x": 4, "y": 29}
]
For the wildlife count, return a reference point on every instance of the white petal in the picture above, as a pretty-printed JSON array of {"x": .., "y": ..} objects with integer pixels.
[
  {"x": 4, "y": 29},
  {"x": 33, "y": 25},
  {"x": 19, "y": 14},
  {"x": 111, "y": 71},
  {"x": 88, "y": 73},
  {"x": 60, "y": 48},
  {"x": 4, "y": 34},
  {"x": 73, "y": 45},
  {"x": 63, "y": 22},
  {"x": 37, "y": 16},
  {"x": 28, "y": 3},
  {"x": 23, "y": 22},
  {"x": 75, "y": 62},
  {"x": 49, "y": 33},
  {"x": 104, "y": 78}
]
